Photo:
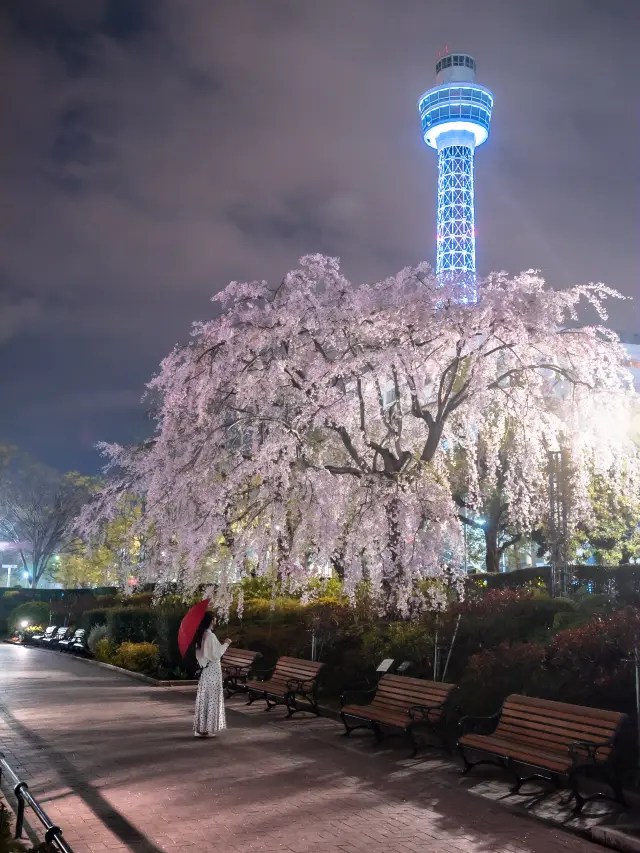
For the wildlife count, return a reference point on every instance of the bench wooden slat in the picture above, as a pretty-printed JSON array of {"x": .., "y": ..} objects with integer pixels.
[
  {"x": 410, "y": 690},
  {"x": 518, "y": 713},
  {"x": 413, "y": 697},
  {"x": 545, "y": 744},
  {"x": 519, "y": 752},
  {"x": 384, "y": 717},
  {"x": 239, "y": 657},
  {"x": 553, "y": 709},
  {"x": 560, "y": 722},
  {"x": 557, "y": 732}
]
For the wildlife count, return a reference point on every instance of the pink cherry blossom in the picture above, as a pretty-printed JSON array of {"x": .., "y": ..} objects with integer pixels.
[{"x": 313, "y": 424}]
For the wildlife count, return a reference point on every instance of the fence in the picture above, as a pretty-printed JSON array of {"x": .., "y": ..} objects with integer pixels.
[
  {"x": 52, "y": 833},
  {"x": 619, "y": 582}
]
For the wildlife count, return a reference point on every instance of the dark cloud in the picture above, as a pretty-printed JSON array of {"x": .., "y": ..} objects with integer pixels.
[{"x": 151, "y": 151}]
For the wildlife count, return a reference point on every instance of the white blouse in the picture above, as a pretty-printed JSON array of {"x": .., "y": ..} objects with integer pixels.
[{"x": 211, "y": 649}]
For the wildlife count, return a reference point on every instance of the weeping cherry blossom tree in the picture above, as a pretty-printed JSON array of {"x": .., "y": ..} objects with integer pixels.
[{"x": 312, "y": 424}]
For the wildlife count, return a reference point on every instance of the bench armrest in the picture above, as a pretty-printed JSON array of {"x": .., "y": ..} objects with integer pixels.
[
  {"x": 478, "y": 725},
  {"x": 420, "y": 713},
  {"x": 236, "y": 669},
  {"x": 263, "y": 674},
  {"x": 298, "y": 685},
  {"x": 584, "y": 750},
  {"x": 348, "y": 697}
]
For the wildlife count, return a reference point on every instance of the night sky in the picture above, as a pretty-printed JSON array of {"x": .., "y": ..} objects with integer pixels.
[{"x": 152, "y": 150}]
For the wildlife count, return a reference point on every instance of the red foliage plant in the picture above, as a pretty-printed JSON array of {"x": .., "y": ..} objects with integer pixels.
[{"x": 596, "y": 651}]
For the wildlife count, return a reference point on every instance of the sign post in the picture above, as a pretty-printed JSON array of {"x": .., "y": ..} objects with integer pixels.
[{"x": 8, "y": 567}]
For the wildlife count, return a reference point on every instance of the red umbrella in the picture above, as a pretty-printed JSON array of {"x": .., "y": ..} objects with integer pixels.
[{"x": 190, "y": 624}]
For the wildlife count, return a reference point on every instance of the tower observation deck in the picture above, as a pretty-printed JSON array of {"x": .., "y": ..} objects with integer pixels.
[{"x": 455, "y": 116}]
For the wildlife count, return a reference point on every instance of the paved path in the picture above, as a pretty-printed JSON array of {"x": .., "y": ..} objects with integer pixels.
[{"x": 114, "y": 762}]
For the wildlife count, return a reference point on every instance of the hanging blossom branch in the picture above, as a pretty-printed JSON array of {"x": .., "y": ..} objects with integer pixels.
[{"x": 311, "y": 424}]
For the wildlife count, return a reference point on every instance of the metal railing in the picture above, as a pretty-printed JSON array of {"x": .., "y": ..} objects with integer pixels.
[{"x": 52, "y": 833}]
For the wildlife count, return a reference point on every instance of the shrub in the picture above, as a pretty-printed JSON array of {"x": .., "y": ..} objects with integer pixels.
[
  {"x": 493, "y": 674},
  {"x": 96, "y": 634},
  {"x": 15, "y": 595},
  {"x": 30, "y": 631},
  {"x": 589, "y": 664},
  {"x": 260, "y": 586},
  {"x": 401, "y": 641},
  {"x": 281, "y": 609},
  {"x": 138, "y": 657},
  {"x": 104, "y": 651},
  {"x": 131, "y": 625},
  {"x": 168, "y": 621},
  {"x": 33, "y": 612},
  {"x": 90, "y": 618},
  {"x": 500, "y": 616}
]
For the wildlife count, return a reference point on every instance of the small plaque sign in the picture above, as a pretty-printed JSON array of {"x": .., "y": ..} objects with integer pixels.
[
  {"x": 385, "y": 665},
  {"x": 404, "y": 666}
]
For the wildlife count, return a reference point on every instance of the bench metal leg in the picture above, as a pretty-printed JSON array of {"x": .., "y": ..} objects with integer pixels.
[
  {"x": 291, "y": 701},
  {"x": 469, "y": 765},
  {"x": 581, "y": 801},
  {"x": 377, "y": 733},
  {"x": 348, "y": 729},
  {"x": 518, "y": 781},
  {"x": 412, "y": 740},
  {"x": 252, "y": 696},
  {"x": 431, "y": 730}
]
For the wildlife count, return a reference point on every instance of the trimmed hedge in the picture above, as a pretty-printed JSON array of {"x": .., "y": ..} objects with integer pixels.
[
  {"x": 91, "y": 618},
  {"x": 33, "y": 612},
  {"x": 622, "y": 582},
  {"x": 166, "y": 629},
  {"x": 131, "y": 625}
]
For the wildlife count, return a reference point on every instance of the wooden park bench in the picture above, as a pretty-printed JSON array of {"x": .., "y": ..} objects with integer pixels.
[
  {"x": 236, "y": 668},
  {"x": 67, "y": 642},
  {"x": 401, "y": 704},
  {"x": 557, "y": 741},
  {"x": 38, "y": 638},
  {"x": 80, "y": 645},
  {"x": 54, "y": 639},
  {"x": 291, "y": 679}
]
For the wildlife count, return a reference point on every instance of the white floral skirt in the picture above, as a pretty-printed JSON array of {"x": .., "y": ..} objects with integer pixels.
[{"x": 210, "y": 715}]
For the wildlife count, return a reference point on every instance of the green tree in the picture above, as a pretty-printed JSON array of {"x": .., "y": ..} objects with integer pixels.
[
  {"x": 106, "y": 562},
  {"x": 37, "y": 507},
  {"x": 613, "y": 536}
]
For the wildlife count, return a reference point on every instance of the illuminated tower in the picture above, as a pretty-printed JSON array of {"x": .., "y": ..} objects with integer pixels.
[{"x": 455, "y": 119}]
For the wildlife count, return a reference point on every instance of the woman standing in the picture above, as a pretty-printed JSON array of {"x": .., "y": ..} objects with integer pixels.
[{"x": 210, "y": 716}]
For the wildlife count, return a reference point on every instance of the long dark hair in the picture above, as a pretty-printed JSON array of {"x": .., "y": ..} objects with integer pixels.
[{"x": 207, "y": 621}]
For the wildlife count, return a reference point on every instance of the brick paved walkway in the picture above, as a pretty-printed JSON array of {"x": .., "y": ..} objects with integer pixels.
[{"x": 115, "y": 764}]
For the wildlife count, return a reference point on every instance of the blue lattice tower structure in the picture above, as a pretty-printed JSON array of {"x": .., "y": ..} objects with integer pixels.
[{"x": 455, "y": 116}]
